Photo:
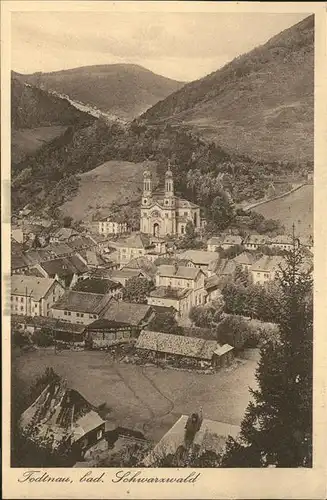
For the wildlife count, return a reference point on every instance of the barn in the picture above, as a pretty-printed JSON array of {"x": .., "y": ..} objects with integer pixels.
[{"x": 179, "y": 350}]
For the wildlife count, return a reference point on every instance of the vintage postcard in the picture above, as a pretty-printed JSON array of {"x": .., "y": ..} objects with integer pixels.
[{"x": 163, "y": 250}]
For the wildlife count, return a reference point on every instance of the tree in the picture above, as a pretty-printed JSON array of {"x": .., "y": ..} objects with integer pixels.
[
  {"x": 208, "y": 315},
  {"x": 221, "y": 212},
  {"x": 67, "y": 221},
  {"x": 137, "y": 289},
  {"x": 233, "y": 330},
  {"x": 165, "y": 322},
  {"x": 277, "y": 426}
]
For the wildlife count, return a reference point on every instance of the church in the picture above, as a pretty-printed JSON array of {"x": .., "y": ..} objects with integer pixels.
[{"x": 162, "y": 212}]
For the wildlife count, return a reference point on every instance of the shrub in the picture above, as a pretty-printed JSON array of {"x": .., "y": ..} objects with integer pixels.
[{"x": 43, "y": 338}]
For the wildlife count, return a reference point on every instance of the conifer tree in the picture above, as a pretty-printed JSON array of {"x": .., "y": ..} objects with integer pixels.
[{"x": 277, "y": 426}]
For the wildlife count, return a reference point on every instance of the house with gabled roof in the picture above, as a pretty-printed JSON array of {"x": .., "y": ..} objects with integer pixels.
[
  {"x": 266, "y": 268},
  {"x": 66, "y": 270},
  {"x": 245, "y": 260},
  {"x": 34, "y": 296},
  {"x": 64, "y": 421},
  {"x": 202, "y": 259},
  {"x": 80, "y": 307},
  {"x": 256, "y": 241},
  {"x": 183, "y": 278},
  {"x": 231, "y": 240},
  {"x": 63, "y": 234}
]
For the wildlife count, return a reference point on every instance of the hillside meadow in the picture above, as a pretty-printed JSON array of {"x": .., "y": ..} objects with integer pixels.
[{"x": 295, "y": 207}]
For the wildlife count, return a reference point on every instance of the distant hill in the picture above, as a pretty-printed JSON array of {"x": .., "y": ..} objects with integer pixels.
[
  {"x": 38, "y": 118},
  {"x": 124, "y": 90},
  {"x": 260, "y": 104}
]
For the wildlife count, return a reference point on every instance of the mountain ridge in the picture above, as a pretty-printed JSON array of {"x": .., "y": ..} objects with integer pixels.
[
  {"x": 125, "y": 90},
  {"x": 267, "y": 92}
]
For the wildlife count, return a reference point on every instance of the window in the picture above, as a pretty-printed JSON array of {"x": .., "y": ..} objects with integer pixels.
[
  {"x": 35, "y": 305},
  {"x": 124, "y": 250},
  {"x": 140, "y": 252},
  {"x": 258, "y": 274},
  {"x": 12, "y": 298},
  {"x": 182, "y": 229},
  {"x": 22, "y": 299},
  {"x": 82, "y": 315},
  {"x": 22, "y": 308},
  {"x": 69, "y": 313},
  {"x": 166, "y": 202},
  {"x": 186, "y": 214},
  {"x": 77, "y": 314},
  {"x": 167, "y": 215},
  {"x": 16, "y": 299},
  {"x": 144, "y": 201},
  {"x": 266, "y": 275},
  {"x": 65, "y": 313}
]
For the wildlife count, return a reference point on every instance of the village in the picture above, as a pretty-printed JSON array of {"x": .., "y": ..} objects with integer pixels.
[{"x": 167, "y": 299}]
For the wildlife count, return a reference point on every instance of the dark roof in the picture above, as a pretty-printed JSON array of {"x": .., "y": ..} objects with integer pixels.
[
  {"x": 64, "y": 266},
  {"x": 178, "y": 271},
  {"x": 81, "y": 242},
  {"x": 166, "y": 292},
  {"x": 59, "y": 249},
  {"x": 46, "y": 322},
  {"x": 18, "y": 261},
  {"x": 163, "y": 309},
  {"x": 127, "y": 312},
  {"x": 95, "y": 285},
  {"x": 103, "y": 324},
  {"x": 142, "y": 264},
  {"x": 84, "y": 302}
]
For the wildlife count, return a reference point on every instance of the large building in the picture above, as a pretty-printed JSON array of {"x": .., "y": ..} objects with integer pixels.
[
  {"x": 162, "y": 212},
  {"x": 33, "y": 296}
]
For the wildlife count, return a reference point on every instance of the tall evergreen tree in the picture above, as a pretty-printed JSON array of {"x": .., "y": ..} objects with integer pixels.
[{"x": 277, "y": 426}]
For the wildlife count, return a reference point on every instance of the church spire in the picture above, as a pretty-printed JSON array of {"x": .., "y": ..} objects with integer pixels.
[
  {"x": 147, "y": 183},
  {"x": 169, "y": 182}
]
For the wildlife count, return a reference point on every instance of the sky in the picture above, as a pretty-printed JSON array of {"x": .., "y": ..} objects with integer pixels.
[{"x": 182, "y": 46}]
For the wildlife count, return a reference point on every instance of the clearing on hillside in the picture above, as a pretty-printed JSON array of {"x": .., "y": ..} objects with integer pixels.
[
  {"x": 296, "y": 207},
  {"x": 113, "y": 181}
]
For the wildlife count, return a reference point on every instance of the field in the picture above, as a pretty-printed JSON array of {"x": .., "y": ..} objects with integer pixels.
[
  {"x": 296, "y": 207},
  {"x": 28, "y": 140},
  {"x": 149, "y": 399},
  {"x": 114, "y": 181}
]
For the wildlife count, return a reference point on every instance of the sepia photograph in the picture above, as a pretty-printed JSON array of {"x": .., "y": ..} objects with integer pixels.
[{"x": 161, "y": 220}]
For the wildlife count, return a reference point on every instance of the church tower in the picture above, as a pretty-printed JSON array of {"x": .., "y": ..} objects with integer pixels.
[
  {"x": 169, "y": 188},
  {"x": 147, "y": 188}
]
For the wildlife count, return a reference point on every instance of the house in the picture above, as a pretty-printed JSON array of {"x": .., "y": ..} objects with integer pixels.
[
  {"x": 264, "y": 270},
  {"x": 123, "y": 275},
  {"x": 179, "y": 299},
  {"x": 206, "y": 436},
  {"x": 66, "y": 270},
  {"x": 64, "y": 414},
  {"x": 138, "y": 245},
  {"x": 80, "y": 307},
  {"x": 33, "y": 296},
  {"x": 59, "y": 249},
  {"x": 226, "y": 268},
  {"x": 182, "y": 277},
  {"x": 307, "y": 243},
  {"x": 143, "y": 264},
  {"x": 63, "y": 234},
  {"x": 19, "y": 263},
  {"x": 104, "y": 287},
  {"x": 214, "y": 243},
  {"x": 136, "y": 315},
  {"x": 201, "y": 351},
  {"x": 93, "y": 259},
  {"x": 202, "y": 259},
  {"x": 244, "y": 260},
  {"x": 81, "y": 243},
  {"x": 162, "y": 212},
  {"x": 231, "y": 240},
  {"x": 282, "y": 242},
  {"x": 108, "y": 225},
  {"x": 255, "y": 241}
]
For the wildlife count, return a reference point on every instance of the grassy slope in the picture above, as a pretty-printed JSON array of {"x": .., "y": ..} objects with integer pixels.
[
  {"x": 38, "y": 118},
  {"x": 114, "y": 181},
  {"x": 260, "y": 104},
  {"x": 125, "y": 90},
  {"x": 297, "y": 207}
]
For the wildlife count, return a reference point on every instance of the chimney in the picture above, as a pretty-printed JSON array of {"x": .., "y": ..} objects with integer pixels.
[{"x": 175, "y": 267}]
